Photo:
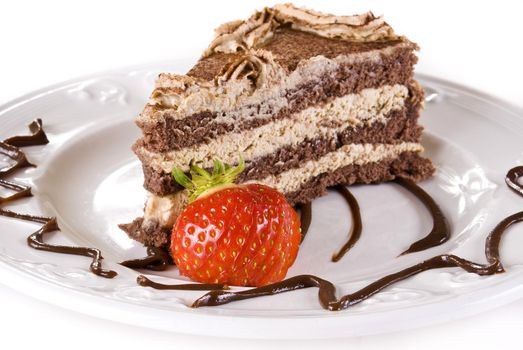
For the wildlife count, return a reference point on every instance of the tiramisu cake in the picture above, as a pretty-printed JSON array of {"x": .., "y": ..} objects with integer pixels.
[{"x": 309, "y": 100}]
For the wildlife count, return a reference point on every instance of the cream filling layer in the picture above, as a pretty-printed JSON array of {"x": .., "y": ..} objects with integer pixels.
[
  {"x": 367, "y": 107},
  {"x": 165, "y": 209}
]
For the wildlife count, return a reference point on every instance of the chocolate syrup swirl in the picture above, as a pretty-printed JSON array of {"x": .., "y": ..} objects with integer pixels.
[
  {"x": 512, "y": 178},
  {"x": 327, "y": 291},
  {"x": 355, "y": 232},
  {"x": 35, "y": 240},
  {"x": 440, "y": 232},
  {"x": 145, "y": 282},
  {"x": 9, "y": 148},
  {"x": 37, "y": 137},
  {"x": 157, "y": 259},
  {"x": 21, "y": 191},
  {"x": 19, "y": 158},
  {"x": 305, "y": 218}
]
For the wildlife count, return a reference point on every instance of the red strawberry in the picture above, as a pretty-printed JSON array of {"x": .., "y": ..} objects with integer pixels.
[{"x": 244, "y": 235}]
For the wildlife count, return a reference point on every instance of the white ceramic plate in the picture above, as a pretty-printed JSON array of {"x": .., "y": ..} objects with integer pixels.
[{"x": 88, "y": 177}]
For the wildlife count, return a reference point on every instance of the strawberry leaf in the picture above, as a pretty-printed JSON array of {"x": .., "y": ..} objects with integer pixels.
[
  {"x": 181, "y": 178},
  {"x": 202, "y": 181},
  {"x": 218, "y": 168}
]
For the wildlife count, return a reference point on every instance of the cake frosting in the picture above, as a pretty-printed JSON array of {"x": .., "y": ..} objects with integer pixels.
[{"x": 234, "y": 36}]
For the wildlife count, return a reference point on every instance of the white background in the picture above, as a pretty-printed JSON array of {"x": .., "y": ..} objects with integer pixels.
[{"x": 474, "y": 43}]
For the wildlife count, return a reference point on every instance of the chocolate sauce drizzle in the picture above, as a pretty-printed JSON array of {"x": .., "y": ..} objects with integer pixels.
[
  {"x": 145, "y": 282},
  {"x": 440, "y": 232},
  {"x": 19, "y": 158},
  {"x": 157, "y": 259},
  {"x": 305, "y": 218},
  {"x": 37, "y": 137},
  {"x": 512, "y": 178},
  {"x": 35, "y": 240},
  {"x": 355, "y": 232},
  {"x": 327, "y": 291},
  {"x": 9, "y": 148},
  {"x": 21, "y": 191}
]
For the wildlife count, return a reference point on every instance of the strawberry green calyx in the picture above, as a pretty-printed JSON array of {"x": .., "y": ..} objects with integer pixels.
[{"x": 202, "y": 181}]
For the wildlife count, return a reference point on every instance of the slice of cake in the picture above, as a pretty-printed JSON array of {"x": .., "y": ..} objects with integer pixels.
[{"x": 309, "y": 100}]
